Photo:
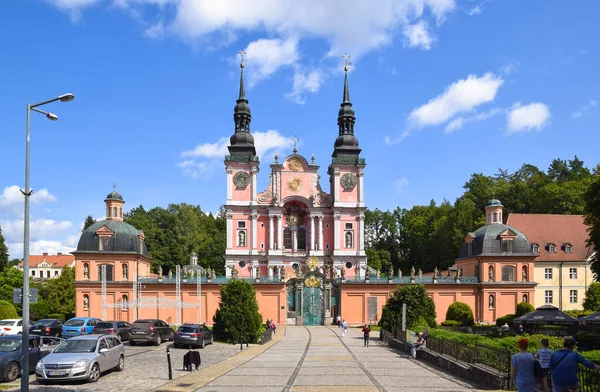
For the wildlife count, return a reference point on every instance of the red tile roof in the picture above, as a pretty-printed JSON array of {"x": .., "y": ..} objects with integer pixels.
[
  {"x": 557, "y": 229},
  {"x": 58, "y": 261}
]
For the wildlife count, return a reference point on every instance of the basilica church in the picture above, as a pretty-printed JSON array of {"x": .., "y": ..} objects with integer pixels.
[{"x": 300, "y": 242}]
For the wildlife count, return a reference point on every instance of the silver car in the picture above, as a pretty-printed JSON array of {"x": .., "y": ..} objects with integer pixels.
[{"x": 81, "y": 358}]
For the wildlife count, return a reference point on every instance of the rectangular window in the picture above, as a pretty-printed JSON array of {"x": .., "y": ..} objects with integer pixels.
[
  {"x": 348, "y": 226},
  {"x": 32, "y": 272},
  {"x": 55, "y": 274},
  {"x": 41, "y": 274},
  {"x": 241, "y": 224},
  {"x": 568, "y": 249},
  {"x": 573, "y": 296},
  {"x": 287, "y": 239},
  {"x": 548, "y": 273},
  {"x": 104, "y": 243},
  {"x": 47, "y": 274},
  {"x": 548, "y": 296},
  {"x": 552, "y": 249},
  {"x": 573, "y": 273}
]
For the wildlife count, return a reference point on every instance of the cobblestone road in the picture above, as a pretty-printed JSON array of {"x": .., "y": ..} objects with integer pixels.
[{"x": 145, "y": 369}]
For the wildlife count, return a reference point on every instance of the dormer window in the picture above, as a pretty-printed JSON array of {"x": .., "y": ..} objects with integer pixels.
[
  {"x": 568, "y": 247},
  {"x": 103, "y": 243},
  {"x": 535, "y": 247},
  {"x": 507, "y": 245},
  {"x": 551, "y": 247}
]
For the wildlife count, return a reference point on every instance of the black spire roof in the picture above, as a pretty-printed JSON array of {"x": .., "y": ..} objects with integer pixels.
[
  {"x": 242, "y": 141},
  {"x": 346, "y": 144}
]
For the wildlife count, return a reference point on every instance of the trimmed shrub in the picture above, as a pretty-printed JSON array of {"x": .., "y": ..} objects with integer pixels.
[
  {"x": 451, "y": 323},
  {"x": 59, "y": 316},
  {"x": 461, "y": 312},
  {"x": 505, "y": 319},
  {"x": 418, "y": 305},
  {"x": 579, "y": 313},
  {"x": 7, "y": 310},
  {"x": 524, "y": 308},
  {"x": 237, "y": 318}
]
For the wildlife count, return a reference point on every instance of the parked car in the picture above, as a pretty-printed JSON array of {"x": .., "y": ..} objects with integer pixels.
[
  {"x": 118, "y": 328},
  {"x": 82, "y": 357},
  {"x": 150, "y": 330},
  {"x": 79, "y": 326},
  {"x": 10, "y": 356},
  {"x": 46, "y": 327},
  {"x": 193, "y": 335},
  {"x": 11, "y": 326}
]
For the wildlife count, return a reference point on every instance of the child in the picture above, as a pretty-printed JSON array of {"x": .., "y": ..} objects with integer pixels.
[{"x": 543, "y": 355}]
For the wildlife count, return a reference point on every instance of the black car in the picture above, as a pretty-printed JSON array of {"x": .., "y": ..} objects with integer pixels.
[
  {"x": 46, "y": 327},
  {"x": 120, "y": 329},
  {"x": 193, "y": 335},
  {"x": 150, "y": 330},
  {"x": 10, "y": 355}
]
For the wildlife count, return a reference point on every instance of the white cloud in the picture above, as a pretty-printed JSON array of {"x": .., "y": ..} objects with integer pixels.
[
  {"x": 39, "y": 247},
  {"x": 418, "y": 36},
  {"x": 305, "y": 81},
  {"x": 588, "y": 107},
  {"x": 478, "y": 9},
  {"x": 459, "y": 122},
  {"x": 400, "y": 185},
  {"x": 509, "y": 68},
  {"x": 12, "y": 200},
  {"x": 38, "y": 229},
  {"x": 356, "y": 26},
  {"x": 461, "y": 96},
  {"x": 266, "y": 56},
  {"x": 527, "y": 118},
  {"x": 205, "y": 158}
]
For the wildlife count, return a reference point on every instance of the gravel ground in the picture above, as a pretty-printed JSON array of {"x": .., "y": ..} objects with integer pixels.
[{"x": 145, "y": 369}]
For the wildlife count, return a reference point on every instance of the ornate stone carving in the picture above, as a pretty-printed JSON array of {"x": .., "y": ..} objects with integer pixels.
[
  {"x": 412, "y": 272},
  {"x": 399, "y": 273},
  {"x": 294, "y": 164},
  {"x": 170, "y": 274},
  {"x": 160, "y": 271},
  {"x": 234, "y": 272},
  {"x": 295, "y": 184},
  {"x": 420, "y": 273}
]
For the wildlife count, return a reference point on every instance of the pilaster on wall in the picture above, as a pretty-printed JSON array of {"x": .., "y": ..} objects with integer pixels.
[
  {"x": 229, "y": 185},
  {"x": 336, "y": 231},
  {"x": 229, "y": 219}
]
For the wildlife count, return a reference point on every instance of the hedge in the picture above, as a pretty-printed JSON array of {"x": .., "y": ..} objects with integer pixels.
[
  {"x": 7, "y": 310},
  {"x": 59, "y": 316},
  {"x": 505, "y": 319}
]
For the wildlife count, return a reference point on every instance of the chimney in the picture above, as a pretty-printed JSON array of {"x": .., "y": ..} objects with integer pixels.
[
  {"x": 59, "y": 254},
  {"x": 45, "y": 253}
]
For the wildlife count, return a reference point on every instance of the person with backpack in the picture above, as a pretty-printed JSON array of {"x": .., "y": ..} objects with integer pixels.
[
  {"x": 543, "y": 356},
  {"x": 564, "y": 365}
]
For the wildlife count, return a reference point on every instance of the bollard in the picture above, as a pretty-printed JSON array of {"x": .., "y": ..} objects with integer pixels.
[{"x": 169, "y": 363}]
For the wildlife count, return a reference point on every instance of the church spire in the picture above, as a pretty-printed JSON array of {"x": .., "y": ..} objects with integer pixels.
[
  {"x": 346, "y": 144},
  {"x": 242, "y": 141}
]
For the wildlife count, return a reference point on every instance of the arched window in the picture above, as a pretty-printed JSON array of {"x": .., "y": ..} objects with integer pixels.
[
  {"x": 125, "y": 301},
  {"x": 125, "y": 271},
  {"x": 115, "y": 212},
  {"x": 302, "y": 238},
  {"x": 508, "y": 273},
  {"x": 86, "y": 302},
  {"x": 287, "y": 239},
  {"x": 109, "y": 273},
  {"x": 525, "y": 299},
  {"x": 86, "y": 271},
  {"x": 348, "y": 240},
  {"x": 491, "y": 301}
]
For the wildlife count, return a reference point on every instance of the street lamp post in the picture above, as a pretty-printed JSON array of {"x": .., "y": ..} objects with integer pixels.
[{"x": 27, "y": 193}]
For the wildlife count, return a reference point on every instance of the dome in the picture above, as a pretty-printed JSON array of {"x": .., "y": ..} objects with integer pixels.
[
  {"x": 114, "y": 195},
  {"x": 487, "y": 241},
  {"x": 241, "y": 138},
  {"x": 346, "y": 140},
  {"x": 494, "y": 202},
  {"x": 124, "y": 240}
]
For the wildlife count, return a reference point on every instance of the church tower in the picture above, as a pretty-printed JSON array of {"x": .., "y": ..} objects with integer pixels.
[
  {"x": 346, "y": 184},
  {"x": 241, "y": 166}
]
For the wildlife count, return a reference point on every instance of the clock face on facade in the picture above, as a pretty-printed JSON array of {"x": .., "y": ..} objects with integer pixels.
[
  {"x": 348, "y": 181},
  {"x": 241, "y": 179}
]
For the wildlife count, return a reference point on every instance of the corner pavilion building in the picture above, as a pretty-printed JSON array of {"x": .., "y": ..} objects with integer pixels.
[{"x": 300, "y": 243}]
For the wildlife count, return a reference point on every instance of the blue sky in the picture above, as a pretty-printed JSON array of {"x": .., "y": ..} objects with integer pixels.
[{"x": 441, "y": 89}]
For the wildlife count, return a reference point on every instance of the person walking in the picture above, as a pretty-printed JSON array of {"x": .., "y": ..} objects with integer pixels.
[
  {"x": 522, "y": 374},
  {"x": 273, "y": 327},
  {"x": 366, "y": 331},
  {"x": 344, "y": 327},
  {"x": 543, "y": 355},
  {"x": 564, "y": 365}
]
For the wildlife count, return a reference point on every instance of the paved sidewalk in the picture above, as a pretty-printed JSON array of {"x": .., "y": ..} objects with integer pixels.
[{"x": 318, "y": 359}]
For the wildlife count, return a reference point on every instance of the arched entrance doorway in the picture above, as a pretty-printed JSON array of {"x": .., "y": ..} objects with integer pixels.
[{"x": 313, "y": 301}]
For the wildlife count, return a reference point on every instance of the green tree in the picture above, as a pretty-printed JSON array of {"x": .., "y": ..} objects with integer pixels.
[
  {"x": 418, "y": 304},
  {"x": 592, "y": 298},
  {"x": 88, "y": 222},
  {"x": 592, "y": 219},
  {"x": 39, "y": 310},
  {"x": 461, "y": 312},
  {"x": 7, "y": 310},
  {"x": 14, "y": 262},
  {"x": 61, "y": 292},
  {"x": 523, "y": 308},
  {"x": 3, "y": 252},
  {"x": 238, "y": 313}
]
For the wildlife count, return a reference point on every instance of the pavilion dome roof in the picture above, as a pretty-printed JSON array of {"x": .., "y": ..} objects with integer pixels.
[{"x": 125, "y": 239}]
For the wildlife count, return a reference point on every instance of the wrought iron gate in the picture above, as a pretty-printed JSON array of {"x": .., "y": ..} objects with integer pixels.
[{"x": 312, "y": 306}]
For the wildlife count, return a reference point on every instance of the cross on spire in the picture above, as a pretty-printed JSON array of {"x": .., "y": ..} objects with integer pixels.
[
  {"x": 346, "y": 58},
  {"x": 242, "y": 54},
  {"x": 114, "y": 187},
  {"x": 295, "y": 139}
]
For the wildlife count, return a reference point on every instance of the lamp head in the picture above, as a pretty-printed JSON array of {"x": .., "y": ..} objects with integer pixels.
[
  {"x": 66, "y": 97},
  {"x": 51, "y": 116}
]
